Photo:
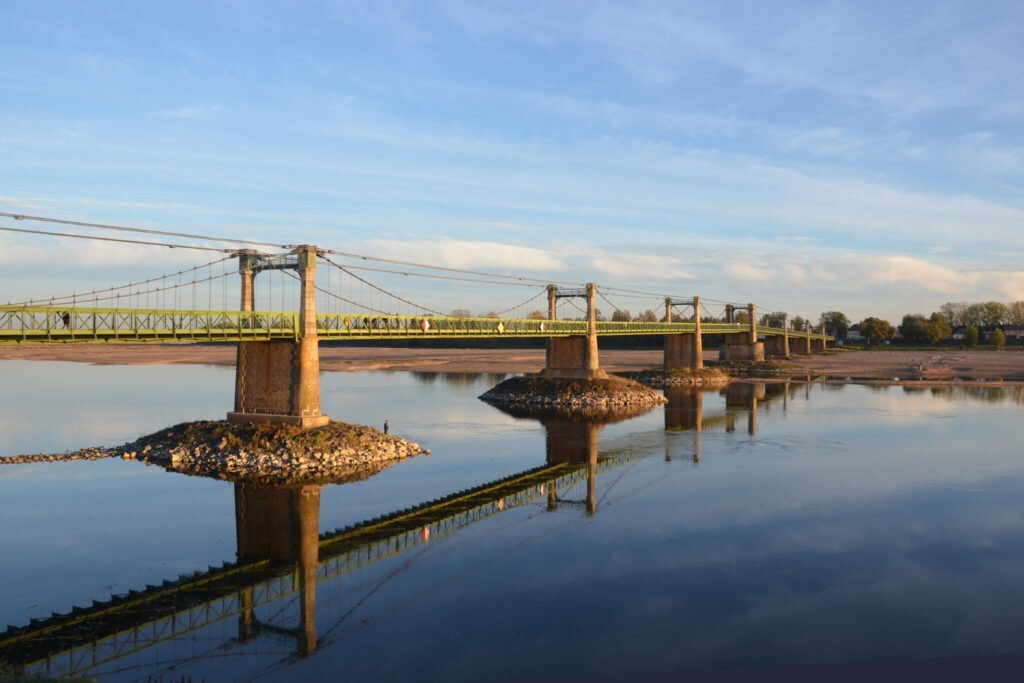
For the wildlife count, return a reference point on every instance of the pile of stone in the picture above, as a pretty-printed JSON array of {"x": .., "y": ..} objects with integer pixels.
[
  {"x": 278, "y": 454},
  {"x": 336, "y": 453},
  {"x": 680, "y": 378},
  {"x": 83, "y": 454},
  {"x": 572, "y": 393}
]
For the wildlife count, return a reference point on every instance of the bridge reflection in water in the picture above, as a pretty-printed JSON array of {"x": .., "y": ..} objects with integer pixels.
[
  {"x": 269, "y": 595},
  {"x": 685, "y": 409}
]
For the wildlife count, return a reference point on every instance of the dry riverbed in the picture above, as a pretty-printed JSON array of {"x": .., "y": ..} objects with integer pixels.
[{"x": 934, "y": 366}]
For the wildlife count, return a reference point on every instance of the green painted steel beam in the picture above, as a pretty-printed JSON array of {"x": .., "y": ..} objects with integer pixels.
[{"x": 50, "y": 324}]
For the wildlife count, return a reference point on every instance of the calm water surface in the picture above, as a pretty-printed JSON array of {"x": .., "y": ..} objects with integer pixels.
[{"x": 763, "y": 525}]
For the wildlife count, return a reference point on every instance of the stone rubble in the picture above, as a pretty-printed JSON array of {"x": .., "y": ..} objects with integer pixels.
[
  {"x": 335, "y": 453},
  {"x": 572, "y": 393},
  {"x": 658, "y": 378}
]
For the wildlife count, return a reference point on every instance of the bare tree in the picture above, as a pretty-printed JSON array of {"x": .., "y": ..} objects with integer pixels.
[
  {"x": 647, "y": 316},
  {"x": 620, "y": 316}
]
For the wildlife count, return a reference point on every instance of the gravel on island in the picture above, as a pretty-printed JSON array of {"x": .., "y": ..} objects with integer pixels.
[
  {"x": 279, "y": 454},
  {"x": 659, "y": 378},
  {"x": 533, "y": 390}
]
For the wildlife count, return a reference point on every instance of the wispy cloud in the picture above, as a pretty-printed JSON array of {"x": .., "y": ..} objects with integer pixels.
[
  {"x": 468, "y": 254},
  {"x": 193, "y": 112},
  {"x": 633, "y": 265}
]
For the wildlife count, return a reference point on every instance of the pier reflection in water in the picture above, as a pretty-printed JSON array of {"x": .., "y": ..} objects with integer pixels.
[
  {"x": 271, "y": 591},
  {"x": 685, "y": 409},
  {"x": 279, "y": 524},
  {"x": 572, "y": 437},
  {"x": 752, "y": 548}
]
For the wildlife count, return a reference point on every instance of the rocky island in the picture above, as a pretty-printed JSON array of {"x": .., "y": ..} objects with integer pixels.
[
  {"x": 563, "y": 392},
  {"x": 268, "y": 453}
]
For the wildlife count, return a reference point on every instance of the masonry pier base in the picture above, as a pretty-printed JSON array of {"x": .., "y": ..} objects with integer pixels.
[
  {"x": 741, "y": 350},
  {"x": 278, "y": 382},
  {"x": 777, "y": 346},
  {"x": 683, "y": 352},
  {"x": 573, "y": 357}
]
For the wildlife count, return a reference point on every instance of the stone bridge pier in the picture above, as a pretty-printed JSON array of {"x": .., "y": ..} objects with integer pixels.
[
  {"x": 684, "y": 351},
  {"x": 278, "y": 381},
  {"x": 743, "y": 346},
  {"x": 777, "y": 346},
  {"x": 820, "y": 344},
  {"x": 574, "y": 356}
]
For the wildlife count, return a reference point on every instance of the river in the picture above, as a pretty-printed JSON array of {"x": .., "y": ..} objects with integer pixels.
[{"x": 764, "y": 525}]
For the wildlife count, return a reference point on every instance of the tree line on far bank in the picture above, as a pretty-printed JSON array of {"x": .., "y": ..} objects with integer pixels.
[{"x": 970, "y": 319}]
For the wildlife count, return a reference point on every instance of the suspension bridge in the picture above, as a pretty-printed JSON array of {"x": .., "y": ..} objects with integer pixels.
[{"x": 308, "y": 294}]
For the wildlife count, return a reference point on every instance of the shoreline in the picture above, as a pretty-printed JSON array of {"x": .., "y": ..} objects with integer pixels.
[{"x": 922, "y": 368}]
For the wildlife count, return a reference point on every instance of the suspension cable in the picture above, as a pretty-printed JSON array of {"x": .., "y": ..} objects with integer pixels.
[
  {"x": 534, "y": 281},
  {"x": 337, "y": 296},
  {"x": 146, "y": 231},
  {"x": 380, "y": 289},
  {"x": 59, "y": 299},
  {"x": 116, "y": 239},
  {"x": 77, "y": 299},
  {"x": 439, "y": 277},
  {"x": 532, "y": 298},
  {"x": 600, "y": 294}
]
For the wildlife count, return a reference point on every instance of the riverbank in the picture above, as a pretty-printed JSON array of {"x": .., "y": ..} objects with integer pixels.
[{"x": 880, "y": 366}]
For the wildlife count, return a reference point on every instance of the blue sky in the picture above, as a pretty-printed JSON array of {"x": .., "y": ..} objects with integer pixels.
[{"x": 860, "y": 156}]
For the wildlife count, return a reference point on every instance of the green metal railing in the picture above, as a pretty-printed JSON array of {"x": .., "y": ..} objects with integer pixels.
[
  {"x": 42, "y": 324},
  {"x": 34, "y": 324}
]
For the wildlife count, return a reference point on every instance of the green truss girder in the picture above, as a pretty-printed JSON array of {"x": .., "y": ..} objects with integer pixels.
[{"x": 45, "y": 324}]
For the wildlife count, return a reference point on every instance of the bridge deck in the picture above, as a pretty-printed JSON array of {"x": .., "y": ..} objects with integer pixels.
[{"x": 49, "y": 324}]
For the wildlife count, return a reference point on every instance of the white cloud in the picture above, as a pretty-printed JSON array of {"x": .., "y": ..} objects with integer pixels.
[
  {"x": 903, "y": 269},
  {"x": 1008, "y": 283},
  {"x": 751, "y": 272},
  {"x": 467, "y": 254},
  {"x": 626, "y": 265},
  {"x": 193, "y": 112}
]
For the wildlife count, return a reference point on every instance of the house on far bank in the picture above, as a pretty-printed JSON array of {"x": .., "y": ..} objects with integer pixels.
[
  {"x": 853, "y": 335},
  {"x": 1014, "y": 333}
]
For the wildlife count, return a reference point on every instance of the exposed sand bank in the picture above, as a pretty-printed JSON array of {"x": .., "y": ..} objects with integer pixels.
[{"x": 940, "y": 366}]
